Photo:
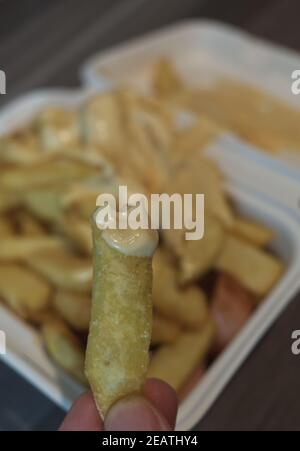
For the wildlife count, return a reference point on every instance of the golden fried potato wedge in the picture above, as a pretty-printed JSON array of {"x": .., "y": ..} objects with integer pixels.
[
  {"x": 23, "y": 291},
  {"x": 63, "y": 269},
  {"x": 164, "y": 331},
  {"x": 174, "y": 363},
  {"x": 187, "y": 307},
  {"x": 64, "y": 348},
  {"x": 253, "y": 232},
  {"x": 74, "y": 308},
  {"x": 254, "y": 268}
]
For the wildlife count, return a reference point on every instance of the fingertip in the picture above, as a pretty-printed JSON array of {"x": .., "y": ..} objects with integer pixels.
[
  {"x": 83, "y": 415},
  {"x": 163, "y": 397},
  {"x": 135, "y": 413}
]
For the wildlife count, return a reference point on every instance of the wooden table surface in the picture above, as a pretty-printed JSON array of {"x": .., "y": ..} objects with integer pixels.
[{"x": 43, "y": 43}]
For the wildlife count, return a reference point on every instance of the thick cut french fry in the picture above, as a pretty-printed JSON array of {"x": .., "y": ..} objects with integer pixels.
[
  {"x": 21, "y": 248},
  {"x": 164, "y": 331},
  {"x": 74, "y": 308},
  {"x": 64, "y": 348},
  {"x": 63, "y": 269},
  {"x": 253, "y": 232},
  {"x": 255, "y": 269},
  {"x": 197, "y": 257},
  {"x": 58, "y": 128},
  {"x": 22, "y": 290},
  {"x": 186, "y": 307},
  {"x": 121, "y": 321},
  {"x": 175, "y": 362}
]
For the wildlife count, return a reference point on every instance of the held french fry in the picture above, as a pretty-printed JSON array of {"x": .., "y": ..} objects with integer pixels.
[
  {"x": 117, "y": 354},
  {"x": 254, "y": 268},
  {"x": 175, "y": 362}
]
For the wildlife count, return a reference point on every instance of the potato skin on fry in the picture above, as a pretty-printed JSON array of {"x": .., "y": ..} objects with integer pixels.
[{"x": 121, "y": 321}]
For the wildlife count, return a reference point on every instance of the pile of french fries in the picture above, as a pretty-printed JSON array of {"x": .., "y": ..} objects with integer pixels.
[{"x": 51, "y": 173}]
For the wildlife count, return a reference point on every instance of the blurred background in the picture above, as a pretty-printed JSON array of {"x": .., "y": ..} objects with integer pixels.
[{"x": 43, "y": 43}]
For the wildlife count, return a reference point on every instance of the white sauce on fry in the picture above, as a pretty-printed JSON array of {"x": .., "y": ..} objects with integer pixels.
[{"x": 135, "y": 243}]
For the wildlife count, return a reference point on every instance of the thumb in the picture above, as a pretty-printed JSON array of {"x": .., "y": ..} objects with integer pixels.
[{"x": 135, "y": 413}]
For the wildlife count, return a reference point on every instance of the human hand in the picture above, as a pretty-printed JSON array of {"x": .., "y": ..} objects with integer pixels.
[{"x": 156, "y": 410}]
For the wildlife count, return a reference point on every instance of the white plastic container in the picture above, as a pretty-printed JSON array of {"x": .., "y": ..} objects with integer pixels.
[
  {"x": 204, "y": 51},
  {"x": 25, "y": 352}
]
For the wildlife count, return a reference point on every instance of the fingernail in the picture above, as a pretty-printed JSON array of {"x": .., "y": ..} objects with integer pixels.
[{"x": 135, "y": 414}]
